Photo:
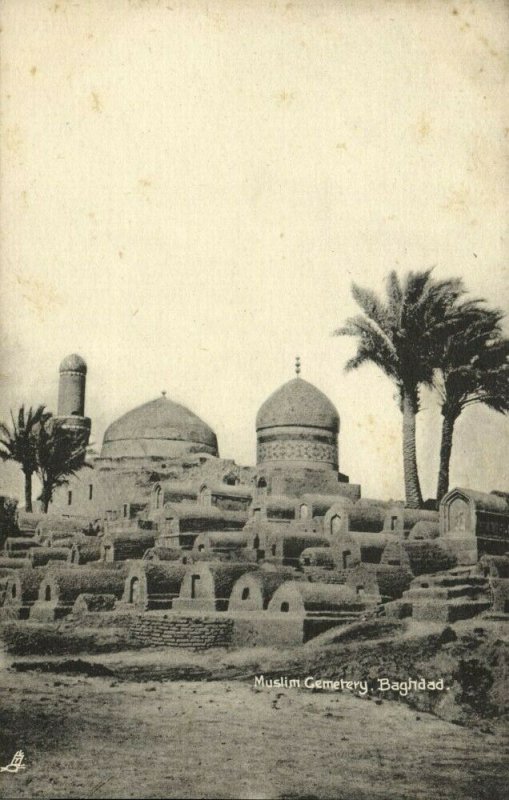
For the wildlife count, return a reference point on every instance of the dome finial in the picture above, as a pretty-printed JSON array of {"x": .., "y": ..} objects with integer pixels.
[
  {"x": 163, "y": 392},
  {"x": 297, "y": 365}
]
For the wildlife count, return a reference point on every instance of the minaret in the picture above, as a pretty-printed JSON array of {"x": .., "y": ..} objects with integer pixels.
[
  {"x": 71, "y": 398},
  {"x": 71, "y": 388}
]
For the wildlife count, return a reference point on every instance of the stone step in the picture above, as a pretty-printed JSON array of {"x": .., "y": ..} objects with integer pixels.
[
  {"x": 446, "y": 592},
  {"x": 458, "y": 580},
  {"x": 339, "y": 615},
  {"x": 467, "y": 588},
  {"x": 449, "y": 610}
]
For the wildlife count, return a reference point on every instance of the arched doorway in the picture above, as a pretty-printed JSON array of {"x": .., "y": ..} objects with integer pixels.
[
  {"x": 134, "y": 590},
  {"x": 158, "y": 493},
  {"x": 261, "y": 485},
  {"x": 458, "y": 515},
  {"x": 335, "y": 525}
]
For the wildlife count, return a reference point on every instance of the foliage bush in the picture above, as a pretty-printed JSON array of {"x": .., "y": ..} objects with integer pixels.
[
  {"x": 7, "y": 518},
  {"x": 27, "y": 638}
]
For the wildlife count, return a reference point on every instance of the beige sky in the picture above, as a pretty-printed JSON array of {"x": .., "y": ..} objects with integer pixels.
[{"x": 188, "y": 190}]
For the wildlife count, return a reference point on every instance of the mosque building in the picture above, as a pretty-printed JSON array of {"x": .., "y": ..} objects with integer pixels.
[
  {"x": 157, "y": 521},
  {"x": 161, "y": 441}
]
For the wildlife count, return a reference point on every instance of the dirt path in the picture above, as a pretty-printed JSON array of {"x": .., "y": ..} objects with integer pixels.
[{"x": 90, "y": 737}]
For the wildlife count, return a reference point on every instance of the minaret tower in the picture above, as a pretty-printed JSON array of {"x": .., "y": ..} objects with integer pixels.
[{"x": 71, "y": 398}]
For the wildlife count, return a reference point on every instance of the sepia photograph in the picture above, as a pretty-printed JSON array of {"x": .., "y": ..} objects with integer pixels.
[{"x": 254, "y": 396}]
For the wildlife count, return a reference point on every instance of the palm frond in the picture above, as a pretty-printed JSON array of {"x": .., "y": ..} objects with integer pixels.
[
  {"x": 371, "y": 305},
  {"x": 4, "y": 431},
  {"x": 394, "y": 298},
  {"x": 357, "y": 361},
  {"x": 348, "y": 329}
]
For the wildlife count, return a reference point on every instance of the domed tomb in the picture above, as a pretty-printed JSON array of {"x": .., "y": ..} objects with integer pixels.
[
  {"x": 158, "y": 429},
  {"x": 298, "y": 424}
]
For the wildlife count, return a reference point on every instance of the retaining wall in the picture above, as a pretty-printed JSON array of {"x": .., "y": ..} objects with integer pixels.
[{"x": 158, "y": 629}]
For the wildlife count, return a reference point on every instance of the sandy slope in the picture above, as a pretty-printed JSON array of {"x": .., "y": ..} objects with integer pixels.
[{"x": 93, "y": 737}]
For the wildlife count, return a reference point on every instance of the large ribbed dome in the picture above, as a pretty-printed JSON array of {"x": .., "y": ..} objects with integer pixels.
[
  {"x": 298, "y": 403},
  {"x": 160, "y": 428}
]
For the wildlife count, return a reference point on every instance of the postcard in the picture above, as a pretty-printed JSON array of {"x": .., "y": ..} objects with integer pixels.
[{"x": 254, "y": 509}]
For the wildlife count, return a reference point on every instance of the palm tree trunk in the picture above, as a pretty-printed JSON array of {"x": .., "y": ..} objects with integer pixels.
[
  {"x": 45, "y": 498},
  {"x": 28, "y": 491},
  {"x": 413, "y": 493},
  {"x": 445, "y": 455}
]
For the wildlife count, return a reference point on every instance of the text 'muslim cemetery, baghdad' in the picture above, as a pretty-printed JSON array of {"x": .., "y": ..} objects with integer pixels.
[{"x": 187, "y": 549}]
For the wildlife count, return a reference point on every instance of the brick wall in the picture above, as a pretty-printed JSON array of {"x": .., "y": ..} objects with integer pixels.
[
  {"x": 267, "y": 630},
  {"x": 159, "y": 629}
]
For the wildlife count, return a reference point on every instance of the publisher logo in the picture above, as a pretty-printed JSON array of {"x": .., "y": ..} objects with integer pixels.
[{"x": 16, "y": 763}]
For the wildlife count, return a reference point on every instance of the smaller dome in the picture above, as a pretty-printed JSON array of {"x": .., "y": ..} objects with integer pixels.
[
  {"x": 73, "y": 363},
  {"x": 298, "y": 403}
]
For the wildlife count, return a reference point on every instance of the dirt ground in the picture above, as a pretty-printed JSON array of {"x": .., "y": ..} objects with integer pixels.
[{"x": 97, "y": 737}]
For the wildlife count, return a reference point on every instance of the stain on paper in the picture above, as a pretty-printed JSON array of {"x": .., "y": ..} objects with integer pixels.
[
  {"x": 96, "y": 101},
  {"x": 40, "y": 296}
]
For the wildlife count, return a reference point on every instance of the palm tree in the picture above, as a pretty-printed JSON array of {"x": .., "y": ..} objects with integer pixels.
[
  {"x": 18, "y": 443},
  {"x": 60, "y": 454},
  {"x": 474, "y": 369},
  {"x": 403, "y": 335}
]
